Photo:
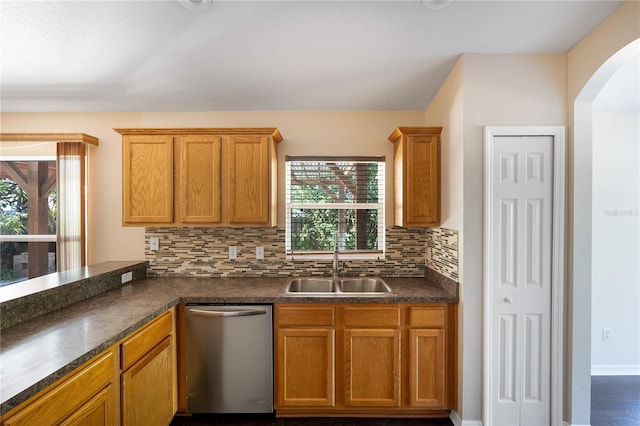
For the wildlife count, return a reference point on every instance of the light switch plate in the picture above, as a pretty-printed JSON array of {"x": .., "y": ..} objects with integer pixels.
[
  {"x": 260, "y": 253},
  {"x": 127, "y": 276},
  {"x": 154, "y": 243},
  {"x": 233, "y": 252}
]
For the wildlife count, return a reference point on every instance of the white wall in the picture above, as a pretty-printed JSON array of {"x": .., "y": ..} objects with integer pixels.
[
  {"x": 446, "y": 110},
  {"x": 486, "y": 90},
  {"x": 615, "y": 277},
  {"x": 590, "y": 64}
]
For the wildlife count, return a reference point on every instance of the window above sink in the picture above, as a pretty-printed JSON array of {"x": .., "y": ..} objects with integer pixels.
[{"x": 326, "y": 196}]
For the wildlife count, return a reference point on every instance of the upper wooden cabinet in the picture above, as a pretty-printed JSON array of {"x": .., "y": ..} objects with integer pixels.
[
  {"x": 200, "y": 176},
  {"x": 147, "y": 179},
  {"x": 248, "y": 167},
  {"x": 416, "y": 176}
]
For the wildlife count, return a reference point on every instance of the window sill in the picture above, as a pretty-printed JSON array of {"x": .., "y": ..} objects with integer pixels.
[{"x": 329, "y": 256}]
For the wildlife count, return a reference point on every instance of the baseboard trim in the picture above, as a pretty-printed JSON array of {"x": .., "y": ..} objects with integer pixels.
[
  {"x": 457, "y": 421},
  {"x": 616, "y": 370},
  {"x": 455, "y": 418}
]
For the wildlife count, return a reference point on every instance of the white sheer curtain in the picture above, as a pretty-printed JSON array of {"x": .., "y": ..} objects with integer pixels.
[{"x": 71, "y": 217}]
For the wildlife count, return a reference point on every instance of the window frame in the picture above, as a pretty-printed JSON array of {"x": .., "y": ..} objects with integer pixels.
[{"x": 379, "y": 206}]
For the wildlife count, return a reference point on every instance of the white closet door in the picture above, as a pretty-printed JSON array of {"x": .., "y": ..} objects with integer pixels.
[{"x": 520, "y": 279}]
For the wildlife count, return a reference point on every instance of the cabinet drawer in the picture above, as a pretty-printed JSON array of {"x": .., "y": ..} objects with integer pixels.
[
  {"x": 374, "y": 316},
  {"x": 304, "y": 315},
  {"x": 57, "y": 404},
  {"x": 427, "y": 316},
  {"x": 146, "y": 339}
]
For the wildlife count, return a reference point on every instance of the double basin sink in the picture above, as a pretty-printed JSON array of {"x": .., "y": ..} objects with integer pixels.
[{"x": 320, "y": 286}]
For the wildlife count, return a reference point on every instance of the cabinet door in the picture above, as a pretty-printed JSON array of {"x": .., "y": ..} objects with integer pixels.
[
  {"x": 147, "y": 179},
  {"x": 372, "y": 367},
  {"x": 200, "y": 179},
  {"x": 422, "y": 178},
  {"x": 97, "y": 412},
  {"x": 305, "y": 367},
  {"x": 79, "y": 390},
  {"x": 427, "y": 368},
  {"x": 148, "y": 388},
  {"x": 248, "y": 199}
]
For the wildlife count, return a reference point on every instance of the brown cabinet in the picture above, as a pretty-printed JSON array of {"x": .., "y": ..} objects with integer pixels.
[
  {"x": 147, "y": 179},
  {"x": 376, "y": 371},
  {"x": 149, "y": 378},
  {"x": 416, "y": 176},
  {"x": 86, "y": 396},
  {"x": 201, "y": 176},
  {"x": 371, "y": 381},
  {"x": 199, "y": 179},
  {"x": 132, "y": 383},
  {"x": 427, "y": 356},
  {"x": 250, "y": 162},
  {"x": 305, "y": 356}
]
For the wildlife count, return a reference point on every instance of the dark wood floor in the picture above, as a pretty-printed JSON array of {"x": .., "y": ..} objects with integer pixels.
[
  {"x": 240, "y": 420},
  {"x": 615, "y": 401}
]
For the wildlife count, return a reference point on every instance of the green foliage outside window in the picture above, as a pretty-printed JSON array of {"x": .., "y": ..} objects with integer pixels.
[
  {"x": 330, "y": 183},
  {"x": 14, "y": 217}
]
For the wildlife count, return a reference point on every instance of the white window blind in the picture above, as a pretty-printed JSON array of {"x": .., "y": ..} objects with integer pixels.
[{"x": 335, "y": 200}]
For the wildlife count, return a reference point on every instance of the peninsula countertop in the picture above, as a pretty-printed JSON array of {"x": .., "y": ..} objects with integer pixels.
[{"x": 37, "y": 352}]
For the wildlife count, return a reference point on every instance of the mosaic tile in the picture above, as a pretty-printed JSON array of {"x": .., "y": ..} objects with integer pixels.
[{"x": 200, "y": 251}]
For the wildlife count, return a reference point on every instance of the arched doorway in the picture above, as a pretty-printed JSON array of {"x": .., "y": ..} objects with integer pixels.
[{"x": 582, "y": 241}]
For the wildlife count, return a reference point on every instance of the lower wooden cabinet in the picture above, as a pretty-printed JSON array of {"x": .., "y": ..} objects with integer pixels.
[
  {"x": 99, "y": 411},
  {"x": 371, "y": 355},
  {"x": 132, "y": 383},
  {"x": 372, "y": 380},
  {"x": 87, "y": 396},
  {"x": 427, "y": 356},
  {"x": 306, "y": 362},
  {"x": 305, "y": 356},
  {"x": 149, "y": 380},
  {"x": 147, "y": 388},
  {"x": 376, "y": 359}
]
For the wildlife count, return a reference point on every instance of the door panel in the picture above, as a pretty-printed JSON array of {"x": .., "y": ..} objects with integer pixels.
[{"x": 521, "y": 260}]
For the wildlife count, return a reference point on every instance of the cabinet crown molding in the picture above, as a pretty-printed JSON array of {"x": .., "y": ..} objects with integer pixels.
[
  {"x": 49, "y": 137},
  {"x": 271, "y": 131},
  {"x": 399, "y": 131}
]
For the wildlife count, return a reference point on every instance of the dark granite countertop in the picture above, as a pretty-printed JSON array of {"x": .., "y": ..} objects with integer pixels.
[{"x": 37, "y": 352}]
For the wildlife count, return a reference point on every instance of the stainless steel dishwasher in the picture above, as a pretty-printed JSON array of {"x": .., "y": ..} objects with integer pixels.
[{"x": 229, "y": 358}]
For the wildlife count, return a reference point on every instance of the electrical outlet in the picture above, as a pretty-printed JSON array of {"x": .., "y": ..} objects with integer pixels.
[
  {"x": 606, "y": 334},
  {"x": 126, "y": 277},
  {"x": 260, "y": 253},
  {"x": 233, "y": 252},
  {"x": 154, "y": 243}
]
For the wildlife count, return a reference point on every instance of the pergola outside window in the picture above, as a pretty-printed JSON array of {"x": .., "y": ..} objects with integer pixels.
[{"x": 43, "y": 201}]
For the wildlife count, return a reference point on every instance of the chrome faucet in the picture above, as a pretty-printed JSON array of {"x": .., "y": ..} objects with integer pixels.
[{"x": 336, "y": 260}]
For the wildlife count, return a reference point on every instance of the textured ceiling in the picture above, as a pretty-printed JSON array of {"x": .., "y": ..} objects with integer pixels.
[{"x": 192, "y": 55}]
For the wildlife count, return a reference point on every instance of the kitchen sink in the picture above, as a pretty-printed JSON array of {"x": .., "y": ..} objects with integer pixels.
[
  {"x": 312, "y": 285},
  {"x": 365, "y": 286}
]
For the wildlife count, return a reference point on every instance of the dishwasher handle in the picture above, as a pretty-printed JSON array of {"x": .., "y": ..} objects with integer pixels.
[{"x": 240, "y": 313}]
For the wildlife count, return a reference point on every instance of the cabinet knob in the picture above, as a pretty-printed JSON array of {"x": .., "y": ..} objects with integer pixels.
[{"x": 508, "y": 300}]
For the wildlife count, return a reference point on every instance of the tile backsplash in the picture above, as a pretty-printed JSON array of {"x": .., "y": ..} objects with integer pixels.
[
  {"x": 203, "y": 251},
  {"x": 442, "y": 252}
]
